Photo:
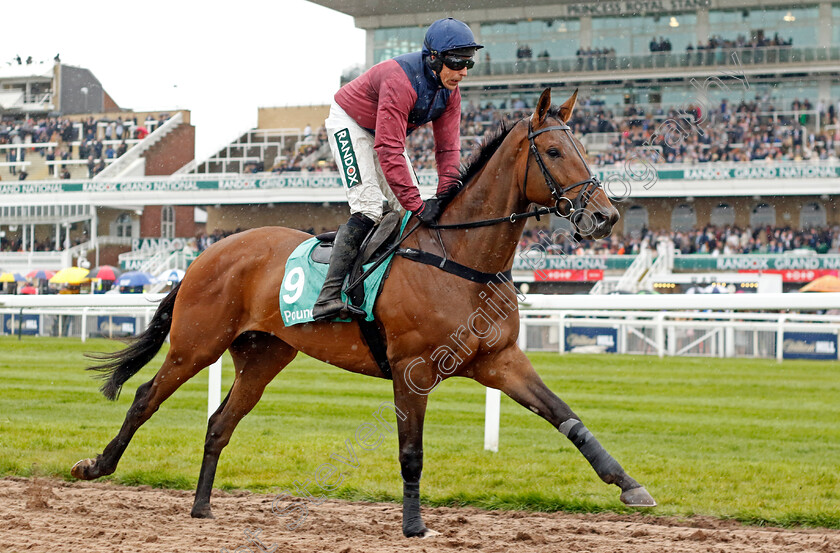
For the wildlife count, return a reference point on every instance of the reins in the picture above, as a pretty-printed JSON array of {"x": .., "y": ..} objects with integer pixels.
[{"x": 557, "y": 191}]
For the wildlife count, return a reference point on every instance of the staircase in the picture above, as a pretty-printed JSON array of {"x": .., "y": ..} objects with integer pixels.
[
  {"x": 663, "y": 265},
  {"x": 132, "y": 162},
  {"x": 629, "y": 281},
  {"x": 641, "y": 273},
  {"x": 155, "y": 263}
]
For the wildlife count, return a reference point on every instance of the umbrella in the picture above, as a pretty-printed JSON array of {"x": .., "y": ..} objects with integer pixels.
[
  {"x": 172, "y": 275},
  {"x": 70, "y": 275},
  {"x": 827, "y": 283},
  {"x": 40, "y": 274},
  {"x": 28, "y": 289},
  {"x": 105, "y": 272},
  {"x": 12, "y": 277},
  {"x": 135, "y": 278}
]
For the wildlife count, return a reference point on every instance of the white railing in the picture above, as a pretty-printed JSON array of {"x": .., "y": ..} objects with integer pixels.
[
  {"x": 629, "y": 281},
  {"x": 662, "y": 265},
  {"x": 687, "y": 333},
  {"x": 135, "y": 152},
  {"x": 674, "y": 333},
  {"x": 176, "y": 260}
]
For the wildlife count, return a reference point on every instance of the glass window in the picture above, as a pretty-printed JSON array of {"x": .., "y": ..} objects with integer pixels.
[
  {"x": 167, "y": 222},
  {"x": 637, "y": 35},
  {"x": 559, "y": 37},
  {"x": 796, "y": 24},
  {"x": 763, "y": 215},
  {"x": 395, "y": 41},
  {"x": 635, "y": 220},
  {"x": 123, "y": 225},
  {"x": 723, "y": 215},
  {"x": 683, "y": 218},
  {"x": 812, "y": 215},
  {"x": 835, "y": 24}
]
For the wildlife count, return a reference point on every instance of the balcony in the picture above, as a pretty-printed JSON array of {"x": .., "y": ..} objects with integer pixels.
[{"x": 599, "y": 65}]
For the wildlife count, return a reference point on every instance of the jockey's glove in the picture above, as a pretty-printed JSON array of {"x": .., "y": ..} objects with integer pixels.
[{"x": 429, "y": 211}]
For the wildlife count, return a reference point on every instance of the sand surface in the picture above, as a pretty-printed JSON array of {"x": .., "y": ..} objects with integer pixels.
[{"x": 55, "y": 516}]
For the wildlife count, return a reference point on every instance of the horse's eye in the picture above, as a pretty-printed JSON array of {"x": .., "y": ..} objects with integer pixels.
[{"x": 553, "y": 152}]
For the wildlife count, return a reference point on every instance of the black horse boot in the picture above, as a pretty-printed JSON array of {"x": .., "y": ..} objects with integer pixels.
[{"x": 345, "y": 249}]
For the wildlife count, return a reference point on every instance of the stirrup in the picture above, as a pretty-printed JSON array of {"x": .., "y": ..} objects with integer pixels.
[{"x": 338, "y": 309}]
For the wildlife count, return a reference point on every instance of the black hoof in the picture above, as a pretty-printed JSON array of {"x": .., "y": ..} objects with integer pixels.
[
  {"x": 637, "y": 497},
  {"x": 421, "y": 532},
  {"x": 202, "y": 512}
]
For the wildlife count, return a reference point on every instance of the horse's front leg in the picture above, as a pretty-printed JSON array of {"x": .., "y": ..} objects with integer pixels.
[
  {"x": 410, "y": 416},
  {"x": 511, "y": 372}
]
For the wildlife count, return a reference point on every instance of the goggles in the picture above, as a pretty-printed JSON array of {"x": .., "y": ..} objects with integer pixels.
[{"x": 457, "y": 63}]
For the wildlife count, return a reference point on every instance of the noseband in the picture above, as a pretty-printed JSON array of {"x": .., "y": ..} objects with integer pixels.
[
  {"x": 588, "y": 186},
  {"x": 576, "y": 206}
]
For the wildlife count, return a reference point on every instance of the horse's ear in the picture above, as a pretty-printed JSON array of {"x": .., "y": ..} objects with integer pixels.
[
  {"x": 542, "y": 109},
  {"x": 565, "y": 111}
]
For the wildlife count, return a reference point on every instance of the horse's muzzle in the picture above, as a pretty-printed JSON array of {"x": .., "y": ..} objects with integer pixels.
[{"x": 595, "y": 225}]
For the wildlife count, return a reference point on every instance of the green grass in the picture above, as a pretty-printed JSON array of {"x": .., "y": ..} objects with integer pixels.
[{"x": 751, "y": 440}]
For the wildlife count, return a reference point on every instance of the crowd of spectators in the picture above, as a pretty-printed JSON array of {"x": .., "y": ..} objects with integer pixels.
[
  {"x": 758, "y": 41},
  {"x": 712, "y": 240},
  {"x": 749, "y": 131},
  {"x": 94, "y": 140},
  {"x": 48, "y": 245},
  {"x": 752, "y": 130},
  {"x": 661, "y": 45}
]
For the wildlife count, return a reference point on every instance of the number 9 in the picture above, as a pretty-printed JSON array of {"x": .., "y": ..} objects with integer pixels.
[{"x": 293, "y": 283}]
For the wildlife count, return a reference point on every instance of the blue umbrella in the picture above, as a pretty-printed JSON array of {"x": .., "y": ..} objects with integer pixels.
[{"x": 135, "y": 278}]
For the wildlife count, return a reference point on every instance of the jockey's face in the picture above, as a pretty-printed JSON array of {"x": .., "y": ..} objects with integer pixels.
[{"x": 450, "y": 77}]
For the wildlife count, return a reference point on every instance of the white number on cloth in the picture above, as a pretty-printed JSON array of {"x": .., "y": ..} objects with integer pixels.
[{"x": 293, "y": 283}]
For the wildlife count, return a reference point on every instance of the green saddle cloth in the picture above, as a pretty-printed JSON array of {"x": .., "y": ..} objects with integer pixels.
[{"x": 304, "y": 279}]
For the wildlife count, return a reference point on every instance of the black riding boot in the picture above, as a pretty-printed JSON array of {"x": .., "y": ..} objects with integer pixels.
[{"x": 345, "y": 249}]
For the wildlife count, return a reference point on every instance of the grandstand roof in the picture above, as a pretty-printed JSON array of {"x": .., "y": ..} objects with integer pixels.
[
  {"x": 364, "y": 8},
  {"x": 26, "y": 71}
]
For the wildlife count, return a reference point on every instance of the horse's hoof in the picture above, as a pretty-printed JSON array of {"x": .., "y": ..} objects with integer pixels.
[
  {"x": 637, "y": 497},
  {"x": 422, "y": 533},
  {"x": 83, "y": 469},
  {"x": 202, "y": 512}
]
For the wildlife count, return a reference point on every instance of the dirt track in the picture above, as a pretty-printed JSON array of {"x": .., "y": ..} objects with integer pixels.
[{"x": 55, "y": 516}]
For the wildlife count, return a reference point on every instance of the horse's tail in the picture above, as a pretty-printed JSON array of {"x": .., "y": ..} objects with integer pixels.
[{"x": 121, "y": 365}]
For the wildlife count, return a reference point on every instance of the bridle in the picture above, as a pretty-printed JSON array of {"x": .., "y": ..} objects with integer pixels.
[
  {"x": 576, "y": 207},
  {"x": 576, "y": 212}
]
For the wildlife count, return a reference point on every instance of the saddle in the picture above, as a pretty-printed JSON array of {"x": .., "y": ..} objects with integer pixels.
[{"x": 373, "y": 246}]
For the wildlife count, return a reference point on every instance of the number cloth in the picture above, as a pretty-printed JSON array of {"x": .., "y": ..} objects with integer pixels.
[{"x": 304, "y": 279}]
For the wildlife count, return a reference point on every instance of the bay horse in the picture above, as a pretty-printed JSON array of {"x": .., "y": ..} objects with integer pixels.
[{"x": 228, "y": 300}]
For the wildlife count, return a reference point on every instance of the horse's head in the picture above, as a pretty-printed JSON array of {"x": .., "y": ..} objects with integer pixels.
[{"x": 557, "y": 173}]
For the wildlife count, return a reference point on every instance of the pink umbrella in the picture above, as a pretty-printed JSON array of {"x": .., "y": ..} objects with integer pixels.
[{"x": 40, "y": 274}]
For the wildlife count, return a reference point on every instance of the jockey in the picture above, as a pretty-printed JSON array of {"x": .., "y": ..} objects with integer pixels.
[{"x": 369, "y": 120}]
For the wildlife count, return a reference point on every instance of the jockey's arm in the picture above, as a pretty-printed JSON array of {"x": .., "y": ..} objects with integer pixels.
[
  {"x": 395, "y": 102},
  {"x": 447, "y": 130}
]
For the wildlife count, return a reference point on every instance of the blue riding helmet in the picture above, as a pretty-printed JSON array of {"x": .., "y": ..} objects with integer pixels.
[{"x": 448, "y": 34}]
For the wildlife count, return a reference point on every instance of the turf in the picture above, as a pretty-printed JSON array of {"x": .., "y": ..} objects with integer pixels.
[{"x": 753, "y": 440}]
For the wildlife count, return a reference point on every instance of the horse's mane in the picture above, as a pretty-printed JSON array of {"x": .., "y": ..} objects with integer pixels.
[
  {"x": 479, "y": 158},
  {"x": 482, "y": 155}
]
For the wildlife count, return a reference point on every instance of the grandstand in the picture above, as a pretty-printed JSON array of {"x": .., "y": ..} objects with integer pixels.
[{"x": 715, "y": 123}]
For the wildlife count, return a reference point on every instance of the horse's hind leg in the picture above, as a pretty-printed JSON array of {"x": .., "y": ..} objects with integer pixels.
[
  {"x": 181, "y": 364},
  {"x": 257, "y": 358},
  {"x": 512, "y": 373}
]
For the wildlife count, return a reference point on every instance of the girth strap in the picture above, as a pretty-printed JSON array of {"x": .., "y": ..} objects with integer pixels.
[
  {"x": 452, "y": 267},
  {"x": 374, "y": 341}
]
